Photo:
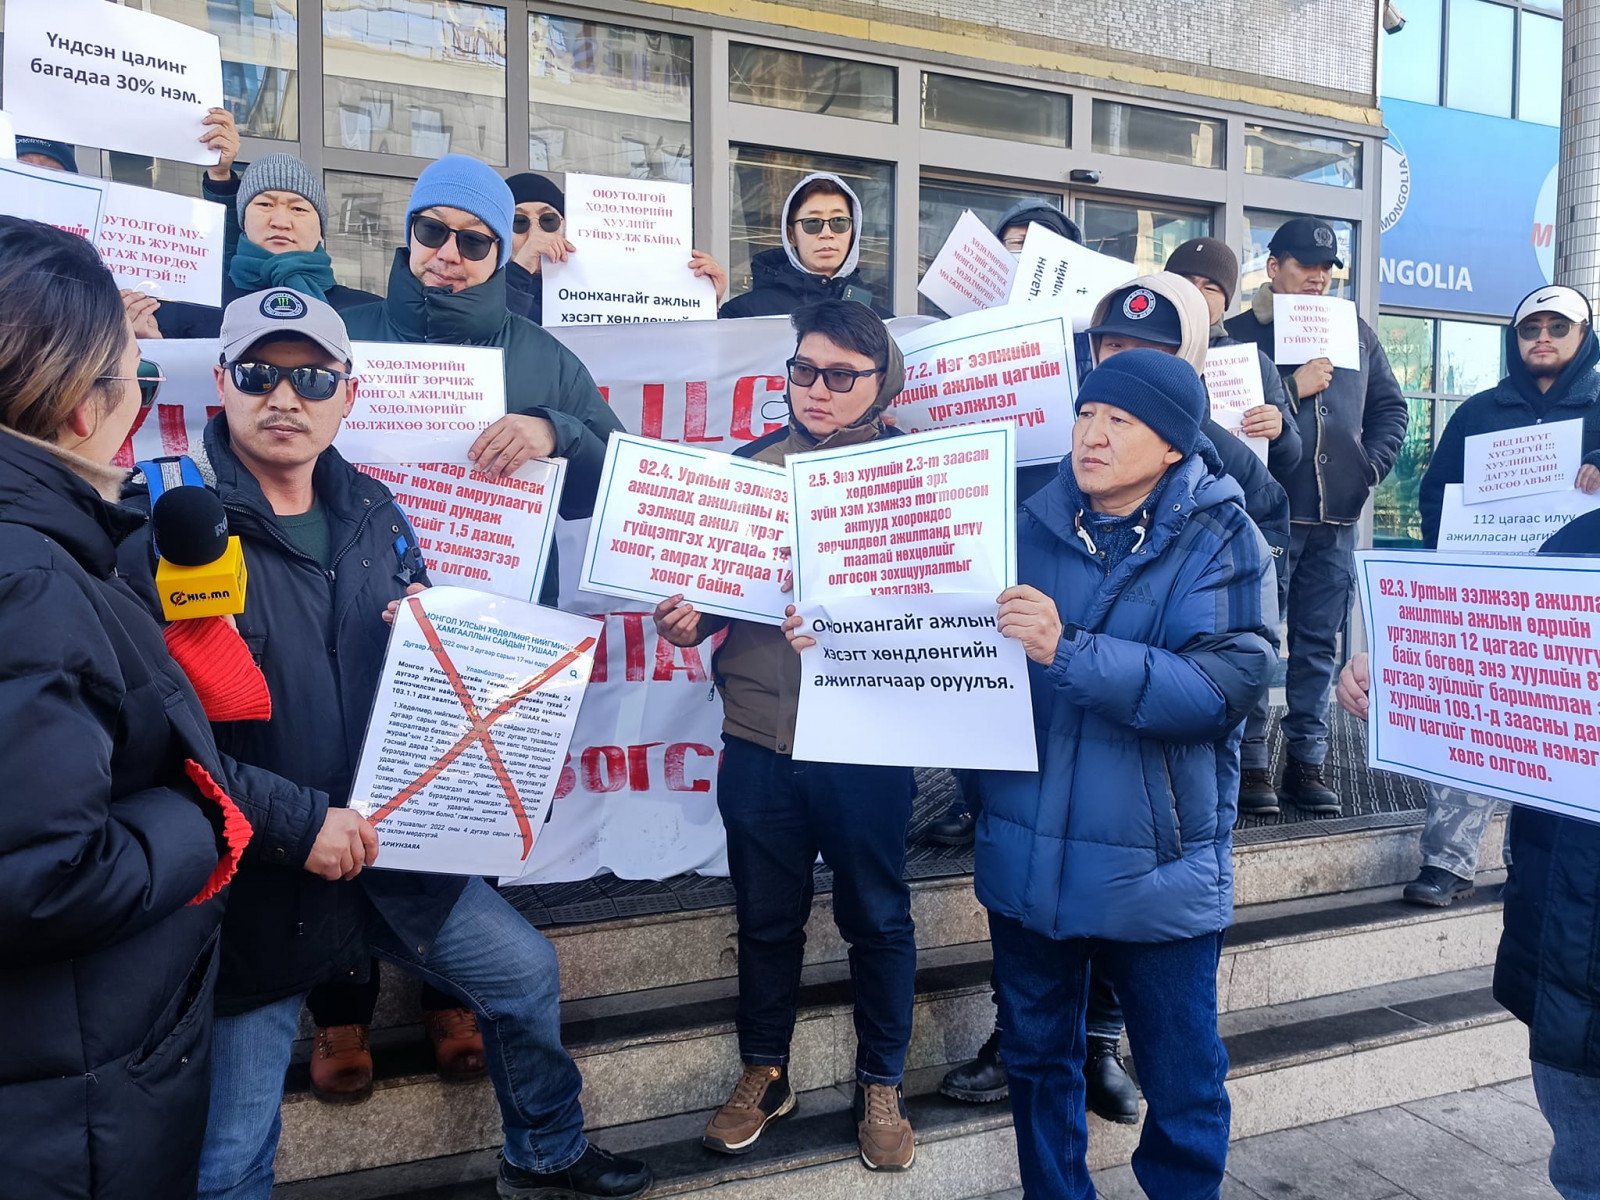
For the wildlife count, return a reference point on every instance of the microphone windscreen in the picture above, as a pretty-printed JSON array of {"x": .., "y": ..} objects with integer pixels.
[{"x": 190, "y": 526}]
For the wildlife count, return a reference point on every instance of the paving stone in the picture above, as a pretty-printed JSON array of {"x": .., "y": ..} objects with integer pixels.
[
  {"x": 1298, "y": 1164},
  {"x": 1495, "y": 1123},
  {"x": 1428, "y": 1163},
  {"x": 1520, "y": 1090},
  {"x": 1117, "y": 1183}
]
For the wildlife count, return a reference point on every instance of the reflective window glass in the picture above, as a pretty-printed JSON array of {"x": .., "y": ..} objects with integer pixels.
[
  {"x": 1139, "y": 233},
  {"x": 1289, "y": 154},
  {"x": 976, "y": 106},
  {"x": 940, "y": 205},
  {"x": 417, "y": 77},
  {"x": 1260, "y": 225},
  {"x": 1411, "y": 57},
  {"x": 259, "y": 63},
  {"x": 1478, "y": 71},
  {"x": 1396, "y": 512},
  {"x": 1539, "y": 70},
  {"x": 1408, "y": 344},
  {"x": 1159, "y": 135},
  {"x": 366, "y": 225},
  {"x": 1471, "y": 357},
  {"x": 609, "y": 99},
  {"x": 813, "y": 83}
]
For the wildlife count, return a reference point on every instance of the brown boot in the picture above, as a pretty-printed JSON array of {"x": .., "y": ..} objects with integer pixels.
[
  {"x": 457, "y": 1044},
  {"x": 761, "y": 1096},
  {"x": 341, "y": 1065},
  {"x": 887, "y": 1143}
]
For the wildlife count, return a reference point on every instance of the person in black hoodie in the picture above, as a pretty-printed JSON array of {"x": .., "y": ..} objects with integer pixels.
[{"x": 821, "y": 247}]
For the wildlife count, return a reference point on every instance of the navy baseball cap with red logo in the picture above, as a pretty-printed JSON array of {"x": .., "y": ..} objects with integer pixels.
[{"x": 1138, "y": 312}]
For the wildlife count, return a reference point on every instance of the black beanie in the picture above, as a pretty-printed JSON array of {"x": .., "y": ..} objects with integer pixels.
[
  {"x": 1161, "y": 389},
  {"x": 530, "y": 188},
  {"x": 1209, "y": 259}
]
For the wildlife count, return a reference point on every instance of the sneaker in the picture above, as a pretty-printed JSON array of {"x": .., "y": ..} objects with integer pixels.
[
  {"x": 341, "y": 1065},
  {"x": 1305, "y": 787},
  {"x": 884, "y": 1133},
  {"x": 1257, "y": 796},
  {"x": 1437, "y": 888},
  {"x": 761, "y": 1096},
  {"x": 957, "y": 827},
  {"x": 981, "y": 1081},
  {"x": 597, "y": 1173},
  {"x": 457, "y": 1044},
  {"x": 1110, "y": 1094}
]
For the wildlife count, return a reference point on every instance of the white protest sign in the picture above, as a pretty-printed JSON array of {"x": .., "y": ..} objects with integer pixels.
[
  {"x": 490, "y": 534},
  {"x": 1057, "y": 270},
  {"x": 1233, "y": 381},
  {"x": 421, "y": 403},
  {"x": 469, "y": 731},
  {"x": 1515, "y": 525},
  {"x": 930, "y": 683},
  {"x": 69, "y": 202},
  {"x": 97, "y": 74},
  {"x": 633, "y": 238},
  {"x": 896, "y": 516},
  {"x": 1486, "y": 674},
  {"x": 8, "y": 135},
  {"x": 672, "y": 519},
  {"x": 1308, "y": 327},
  {"x": 1522, "y": 461},
  {"x": 175, "y": 423},
  {"x": 972, "y": 270},
  {"x": 1010, "y": 364}
]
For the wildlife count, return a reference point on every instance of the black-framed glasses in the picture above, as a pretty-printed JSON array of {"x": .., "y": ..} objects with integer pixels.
[
  {"x": 837, "y": 379},
  {"x": 548, "y": 221},
  {"x": 813, "y": 225},
  {"x": 1529, "y": 331},
  {"x": 474, "y": 246},
  {"x": 149, "y": 380},
  {"x": 310, "y": 383}
]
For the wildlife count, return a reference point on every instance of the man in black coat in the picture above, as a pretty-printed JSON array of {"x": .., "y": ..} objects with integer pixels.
[{"x": 1352, "y": 423}]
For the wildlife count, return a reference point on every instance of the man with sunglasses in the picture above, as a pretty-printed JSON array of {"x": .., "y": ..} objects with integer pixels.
[{"x": 1550, "y": 352}]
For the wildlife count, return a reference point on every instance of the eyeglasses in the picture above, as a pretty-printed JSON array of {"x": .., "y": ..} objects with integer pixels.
[
  {"x": 1529, "y": 331},
  {"x": 149, "y": 380},
  {"x": 837, "y": 379},
  {"x": 813, "y": 225},
  {"x": 474, "y": 246},
  {"x": 310, "y": 383},
  {"x": 521, "y": 223}
]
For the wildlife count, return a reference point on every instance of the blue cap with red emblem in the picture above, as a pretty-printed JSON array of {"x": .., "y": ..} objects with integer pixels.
[{"x": 1140, "y": 313}]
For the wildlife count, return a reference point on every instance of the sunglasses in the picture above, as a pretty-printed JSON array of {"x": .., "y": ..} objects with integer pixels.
[
  {"x": 521, "y": 223},
  {"x": 310, "y": 383},
  {"x": 813, "y": 225},
  {"x": 149, "y": 380},
  {"x": 837, "y": 379},
  {"x": 474, "y": 246},
  {"x": 1529, "y": 331}
]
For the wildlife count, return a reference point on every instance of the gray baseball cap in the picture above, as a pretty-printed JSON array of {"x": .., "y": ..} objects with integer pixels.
[{"x": 282, "y": 312}]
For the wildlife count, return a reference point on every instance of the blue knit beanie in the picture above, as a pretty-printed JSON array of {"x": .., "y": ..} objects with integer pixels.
[
  {"x": 457, "y": 181},
  {"x": 1161, "y": 389}
]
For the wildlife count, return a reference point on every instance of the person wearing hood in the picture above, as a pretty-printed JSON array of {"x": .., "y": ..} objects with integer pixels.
[
  {"x": 818, "y": 259},
  {"x": 1352, "y": 423},
  {"x": 780, "y": 813},
  {"x": 1148, "y": 611}
]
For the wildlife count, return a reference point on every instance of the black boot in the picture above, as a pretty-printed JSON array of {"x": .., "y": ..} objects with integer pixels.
[
  {"x": 1305, "y": 787},
  {"x": 956, "y": 828},
  {"x": 1257, "y": 796},
  {"x": 1111, "y": 1094},
  {"x": 596, "y": 1174},
  {"x": 1437, "y": 888},
  {"x": 980, "y": 1081}
]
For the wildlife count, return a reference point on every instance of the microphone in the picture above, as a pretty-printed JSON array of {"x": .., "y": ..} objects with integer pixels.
[{"x": 201, "y": 572}]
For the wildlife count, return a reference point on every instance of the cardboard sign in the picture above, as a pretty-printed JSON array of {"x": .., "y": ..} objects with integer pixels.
[
  {"x": 421, "y": 403},
  {"x": 1056, "y": 270},
  {"x": 972, "y": 270},
  {"x": 1522, "y": 462},
  {"x": 1233, "y": 380},
  {"x": 1516, "y": 525},
  {"x": 1308, "y": 327}
]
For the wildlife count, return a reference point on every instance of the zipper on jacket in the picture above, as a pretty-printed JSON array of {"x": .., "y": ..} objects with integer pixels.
[{"x": 1177, "y": 822}]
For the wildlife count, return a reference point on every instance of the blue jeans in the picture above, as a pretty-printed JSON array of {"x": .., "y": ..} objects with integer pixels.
[
  {"x": 1571, "y": 1103},
  {"x": 1322, "y": 585},
  {"x": 1169, "y": 996},
  {"x": 779, "y": 814},
  {"x": 498, "y": 965}
]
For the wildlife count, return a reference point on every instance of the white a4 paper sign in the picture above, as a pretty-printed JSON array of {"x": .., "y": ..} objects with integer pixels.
[
  {"x": 421, "y": 403},
  {"x": 1522, "y": 461},
  {"x": 1515, "y": 525},
  {"x": 1308, "y": 327},
  {"x": 972, "y": 271},
  {"x": 1233, "y": 381},
  {"x": 1056, "y": 270}
]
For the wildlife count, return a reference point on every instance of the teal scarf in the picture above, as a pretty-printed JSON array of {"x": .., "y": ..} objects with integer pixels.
[{"x": 308, "y": 271}]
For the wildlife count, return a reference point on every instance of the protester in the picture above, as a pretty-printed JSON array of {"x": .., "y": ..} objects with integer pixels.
[
  {"x": 50, "y": 155},
  {"x": 821, "y": 247},
  {"x": 1352, "y": 423},
  {"x": 1550, "y": 353},
  {"x": 779, "y": 813},
  {"x": 1147, "y": 610},
  {"x": 299, "y": 508},
  {"x": 1012, "y": 230}
]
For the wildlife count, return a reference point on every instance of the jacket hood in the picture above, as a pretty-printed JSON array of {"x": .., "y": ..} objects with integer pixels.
[
  {"x": 1036, "y": 212},
  {"x": 848, "y": 266},
  {"x": 1194, "y": 317},
  {"x": 890, "y": 384},
  {"x": 471, "y": 317},
  {"x": 66, "y": 497},
  {"x": 1572, "y": 375},
  {"x": 1261, "y": 304}
]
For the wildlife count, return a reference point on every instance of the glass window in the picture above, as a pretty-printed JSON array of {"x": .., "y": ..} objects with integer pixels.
[
  {"x": 939, "y": 207},
  {"x": 1139, "y": 233},
  {"x": 1471, "y": 357},
  {"x": 1287, "y": 154},
  {"x": 760, "y": 181},
  {"x": 1408, "y": 343},
  {"x": 1411, "y": 57},
  {"x": 366, "y": 224},
  {"x": 1396, "y": 511},
  {"x": 1478, "y": 73},
  {"x": 837, "y": 87},
  {"x": 1260, "y": 225},
  {"x": 258, "y": 58},
  {"x": 609, "y": 99},
  {"x": 1539, "y": 70},
  {"x": 163, "y": 174},
  {"x": 998, "y": 110},
  {"x": 1154, "y": 133},
  {"x": 417, "y": 77}
]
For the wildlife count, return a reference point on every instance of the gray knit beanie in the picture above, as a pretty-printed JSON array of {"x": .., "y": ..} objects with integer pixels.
[{"x": 283, "y": 173}]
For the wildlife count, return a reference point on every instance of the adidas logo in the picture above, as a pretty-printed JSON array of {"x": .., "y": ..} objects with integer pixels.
[{"x": 1139, "y": 594}]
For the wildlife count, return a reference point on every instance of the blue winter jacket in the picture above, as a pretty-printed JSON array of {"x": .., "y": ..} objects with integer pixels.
[{"x": 1125, "y": 831}]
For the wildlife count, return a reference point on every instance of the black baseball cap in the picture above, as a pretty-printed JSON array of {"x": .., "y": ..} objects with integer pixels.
[
  {"x": 1139, "y": 312},
  {"x": 1306, "y": 239}
]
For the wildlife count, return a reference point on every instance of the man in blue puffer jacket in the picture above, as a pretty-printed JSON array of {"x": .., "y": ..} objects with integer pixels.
[{"x": 1147, "y": 606}]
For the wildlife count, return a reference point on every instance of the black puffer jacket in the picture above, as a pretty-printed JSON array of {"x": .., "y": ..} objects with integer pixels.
[
  {"x": 202, "y": 321},
  {"x": 525, "y": 293},
  {"x": 778, "y": 287}
]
